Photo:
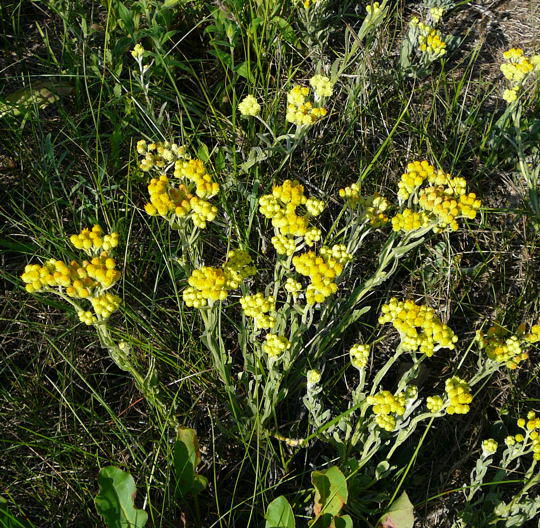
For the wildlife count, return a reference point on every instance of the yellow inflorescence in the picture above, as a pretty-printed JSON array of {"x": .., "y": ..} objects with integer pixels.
[
  {"x": 322, "y": 270},
  {"x": 459, "y": 396},
  {"x": 359, "y": 355},
  {"x": 374, "y": 8},
  {"x": 188, "y": 199},
  {"x": 93, "y": 240},
  {"x": 159, "y": 155},
  {"x": 534, "y": 335},
  {"x": 105, "y": 304},
  {"x": 258, "y": 306},
  {"x": 434, "y": 403},
  {"x": 322, "y": 86},
  {"x": 137, "y": 52},
  {"x": 516, "y": 69},
  {"x": 292, "y": 286},
  {"x": 249, "y": 106},
  {"x": 213, "y": 284},
  {"x": 489, "y": 446},
  {"x": 282, "y": 208},
  {"x": 504, "y": 348},
  {"x": 372, "y": 207},
  {"x": 409, "y": 220},
  {"x": 385, "y": 404},
  {"x": 84, "y": 280},
  {"x": 436, "y": 14},
  {"x": 431, "y": 42},
  {"x": 194, "y": 171},
  {"x": 300, "y": 111},
  {"x": 530, "y": 440},
  {"x": 418, "y": 326},
  {"x": 441, "y": 202},
  {"x": 275, "y": 345}
]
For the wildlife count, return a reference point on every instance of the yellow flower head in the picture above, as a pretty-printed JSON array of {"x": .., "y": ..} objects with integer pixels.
[
  {"x": 275, "y": 345},
  {"x": 137, "y": 52},
  {"x": 322, "y": 86},
  {"x": 300, "y": 111},
  {"x": 386, "y": 404},
  {"x": 249, "y": 106},
  {"x": 459, "y": 396},
  {"x": 359, "y": 356},
  {"x": 258, "y": 306},
  {"x": 419, "y": 327}
]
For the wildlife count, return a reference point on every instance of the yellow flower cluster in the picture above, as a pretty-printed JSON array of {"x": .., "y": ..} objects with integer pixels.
[
  {"x": 436, "y": 14},
  {"x": 189, "y": 198},
  {"x": 275, "y": 345},
  {"x": 86, "y": 317},
  {"x": 531, "y": 428},
  {"x": 313, "y": 377},
  {"x": 459, "y": 396},
  {"x": 293, "y": 286},
  {"x": 322, "y": 270},
  {"x": 300, "y": 111},
  {"x": 213, "y": 284},
  {"x": 409, "y": 220},
  {"x": 501, "y": 347},
  {"x": 441, "y": 203},
  {"x": 372, "y": 207},
  {"x": 322, "y": 86},
  {"x": 359, "y": 355},
  {"x": 105, "y": 304},
  {"x": 385, "y": 404},
  {"x": 137, "y": 52},
  {"x": 93, "y": 240},
  {"x": 194, "y": 171},
  {"x": 373, "y": 9},
  {"x": 489, "y": 446},
  {"x": 434, "y": 403},
  {"x": 85, "y": 280},
  {"x": 516, "y": 69},
  {"x": 77, "y": 280},
  {"x": 258, "y": 306},
  {"x": 431, "y": 42},
  {"x": 306, "y": 3},
  {"x": 159, "y": 155},
  {"x": 282, "y": 208},
  {"x": 418, "y": 326},
  {"x": 249, "y": 106}
]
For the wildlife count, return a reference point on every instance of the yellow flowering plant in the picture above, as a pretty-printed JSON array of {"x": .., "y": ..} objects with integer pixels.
[
  {"x": 425, "y": 43},
  {"x": 517, "y": 454},
  {"x": 87, "y": 286}
]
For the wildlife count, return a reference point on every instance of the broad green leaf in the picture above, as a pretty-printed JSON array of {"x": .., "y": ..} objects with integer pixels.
[
  {"x": 399, "y": 515},
  {"x": 279, "y": 514},
  {"x": 345, "y": 521},
  {"x": 115, "y": 499},
  {"x": 186, "y": 459},
  {"x": 245, "y": 70},
  {"x": 330, "y": 491},
  {"x": 41, "y": 94}
]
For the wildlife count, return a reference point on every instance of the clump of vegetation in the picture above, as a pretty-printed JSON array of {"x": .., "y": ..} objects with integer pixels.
[{"x": 306, "y": 280}]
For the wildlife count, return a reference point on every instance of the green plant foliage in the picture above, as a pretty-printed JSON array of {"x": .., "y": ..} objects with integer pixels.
[
  {"x": 279, "y": 514},
  {"x": 330, "y": 491},
  {"x": 115, "y": 499},
  {"x": 399, "y": 515},
  {"x": 187, "y": 457}
]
